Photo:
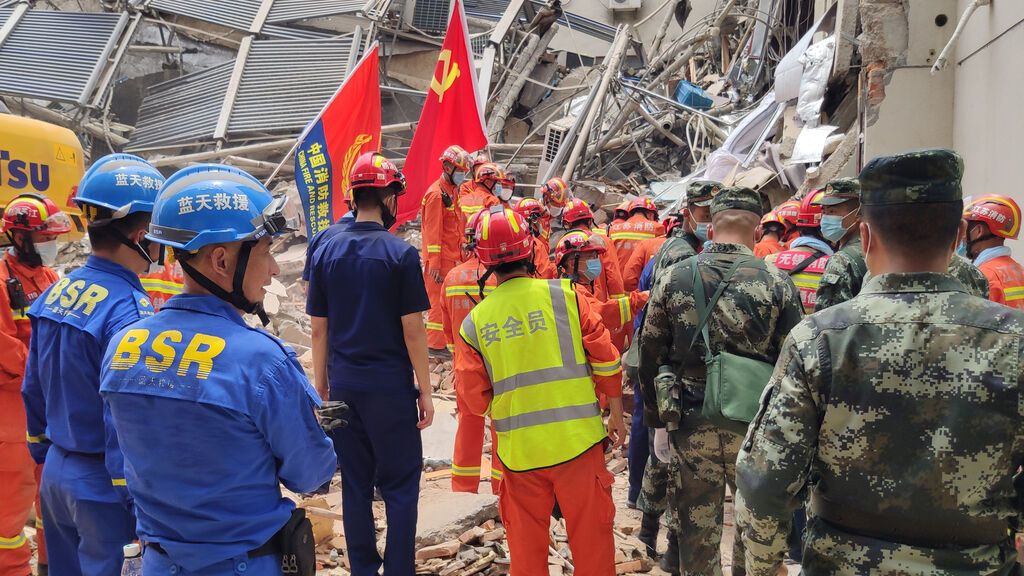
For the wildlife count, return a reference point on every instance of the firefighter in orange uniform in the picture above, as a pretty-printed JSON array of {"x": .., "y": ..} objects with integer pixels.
[
  {"x": 165, "y": 283},
  {"x": 808, "y": 254},
  {"x": 535, "y": 357},
  {"x": 32, "y": 224},
  {"x": 645, "y": 251},
  {"x": 442, "y": 224},
  {"x": 991, "y": 220},
  {"x": 508, "y": 190},
  {"x": 486, "y": 188},
  {"x": 461, "y": 294},
  {"x": 555, "y": 195},
  {"x": 533, "y": 212},
  {"x": 620, "y": 214},
  {"x": 788, "y": 212},
  {"x": 479, "y": 159},
  {"x": 641, "y": 225},
  {"x": 772, "y": 229},
  {"x": 578, "y": 257},
  {"x": 578, "y": 216}
]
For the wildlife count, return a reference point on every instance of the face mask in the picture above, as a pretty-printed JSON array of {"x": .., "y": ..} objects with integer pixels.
[
  {"x": 961, "y": 250},
  {"x": 497, "y": 190},
  {"x": 458, "y": 178},
  {"x": 593, "y": 271},
  {"x": 554, "y": 211},
  {"x": 701, "y": 231},
  {"x": 47, "y": 252},
  {"x": 503, "y": 194},
  {"x": 832, "y": 227}
]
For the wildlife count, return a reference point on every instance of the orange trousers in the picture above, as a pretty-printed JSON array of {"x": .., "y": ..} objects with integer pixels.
[
  {"x": 469, "y": 446},
  {"x": 435, "y": 292},
  {"x": 583, "y": 487},
  {"x": 18, "y": 489}
]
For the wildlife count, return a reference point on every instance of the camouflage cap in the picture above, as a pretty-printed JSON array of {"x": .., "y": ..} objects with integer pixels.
[
  {"x": 737, "y": 198},
  {"x": 917, "y": 177},
  {"x": 839, "y": 191},
  {"x": 700, "y": 192}
]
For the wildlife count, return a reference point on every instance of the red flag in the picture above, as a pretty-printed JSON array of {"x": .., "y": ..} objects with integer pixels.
[
  {"x": 348, "y": 126},
  {"x": 452, "y": 114}
]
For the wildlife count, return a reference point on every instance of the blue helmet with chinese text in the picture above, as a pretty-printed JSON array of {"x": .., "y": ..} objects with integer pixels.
[
  {"x": 120, "y": 183},
  {"x": 212, "y": 204}
]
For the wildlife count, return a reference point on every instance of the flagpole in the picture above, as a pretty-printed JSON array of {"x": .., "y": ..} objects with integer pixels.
[{"x": 355, "y": 47}]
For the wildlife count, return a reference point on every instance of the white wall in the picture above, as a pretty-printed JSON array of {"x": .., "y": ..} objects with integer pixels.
[{"x": 989, "y": 103}]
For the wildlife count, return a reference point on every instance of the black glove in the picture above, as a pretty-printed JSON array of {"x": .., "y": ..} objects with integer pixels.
[{"x": 331, "y": 415}]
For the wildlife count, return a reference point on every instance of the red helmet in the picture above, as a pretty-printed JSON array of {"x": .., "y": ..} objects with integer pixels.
[
  {"x": 528, "y": 207},
  {"x": 622, "y": 211},
  {"x": 502, "y": 236},
  {"x": 480, "y": 158},
  {"x": 672, "y": 222},
  {"x": 788, "y": 212},
  {"x": 458, "y": 157},
  {"x": 35, "y": 213},
  {"x": 373, "y": 170},
  {"x": 576, "y": 211},
  {"x": 489, "y": 171},
  {"x": 509, "y": 181},
  {"x": 642, "y": 203},
  {"x": 810, "y": 212},
  {"x": 999, "y": 213},
  {"x": 576, "y": 242},
  {"x": 556, "y": 192}
]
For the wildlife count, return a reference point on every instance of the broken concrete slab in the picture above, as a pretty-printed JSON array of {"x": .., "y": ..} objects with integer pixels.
[{"x": 445, "y": 515}]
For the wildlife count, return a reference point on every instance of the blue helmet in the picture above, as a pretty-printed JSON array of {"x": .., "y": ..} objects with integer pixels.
[
  {"x": 121, "y": 183},
  {"x": 213, "y": 203}
]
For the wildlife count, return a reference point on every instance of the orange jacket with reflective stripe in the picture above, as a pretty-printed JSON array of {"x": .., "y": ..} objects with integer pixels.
[
  {"x": 476, "y": 201},
  {"x": 15, "y": 333},
  {"x": 460, "y": 293},
  {"x": 634, "y": 267},
  {"x": 163, "y": 285},
  {"x": 617, "y": 312},
  {"x": 808, "y": 279},
  {"x": 443, "y": 226},
  {"x": 1005, "y": 281},
  {"x": 628, "y": 234}
]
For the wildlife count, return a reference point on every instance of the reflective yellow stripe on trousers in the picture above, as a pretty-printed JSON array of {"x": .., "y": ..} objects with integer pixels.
[{"x": 538, "y": 371}]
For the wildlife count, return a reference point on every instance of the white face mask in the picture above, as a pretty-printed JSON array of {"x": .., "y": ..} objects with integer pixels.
[
  {"x": 47, "y": 252},
  {"x": 504, "y": 194},
  {"x": 554, "y": 211}
]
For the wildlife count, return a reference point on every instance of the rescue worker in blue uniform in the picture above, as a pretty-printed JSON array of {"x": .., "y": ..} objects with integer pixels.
[
  {"x": 86, "y": 510},
  {"x": 366, "y": 299},
  {"x": 213, "y": 415}
]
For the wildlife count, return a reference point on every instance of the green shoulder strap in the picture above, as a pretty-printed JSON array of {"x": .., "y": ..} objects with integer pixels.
[{"x": 704, "y": 309}]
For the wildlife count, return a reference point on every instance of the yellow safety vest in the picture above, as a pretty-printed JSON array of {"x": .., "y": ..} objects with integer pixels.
[{"x": 544, "y": 409}]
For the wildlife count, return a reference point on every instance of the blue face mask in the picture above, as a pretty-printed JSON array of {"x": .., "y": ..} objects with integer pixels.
[
  {"x": 961, "y": 250},
  {"x": 594, "y": 268},
  {"x": 458, "y": 178},
  {"x": 701, "y": 231},
  {"x": 832, "y": 227},
  {"x": 497, "y": 190}
]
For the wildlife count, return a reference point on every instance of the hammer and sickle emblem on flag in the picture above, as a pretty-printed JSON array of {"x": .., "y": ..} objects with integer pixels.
[
  {"x": 350, "y": 158},
  {"x": 449, "y": 73}
]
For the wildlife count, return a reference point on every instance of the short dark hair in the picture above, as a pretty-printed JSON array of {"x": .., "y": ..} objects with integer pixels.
[
  {"x": 506, "y": 268},
  {"x": 923, "y": 229},
  {"x": 368, "y": 197},
  {"x": 105, "y": 238}
]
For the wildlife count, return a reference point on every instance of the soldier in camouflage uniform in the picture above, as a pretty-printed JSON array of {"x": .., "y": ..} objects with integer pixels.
[
  {"x": 846, "y": 271},
  {"x": 846, "y": 268},
  {"x": 751, "y": 318},
  {"x": 899, "y": 411}
]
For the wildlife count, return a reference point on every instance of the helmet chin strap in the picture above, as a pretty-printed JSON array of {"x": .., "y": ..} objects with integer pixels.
[
  {"x": 237, "y": 295},
  {"x": 27, "y": 252}
]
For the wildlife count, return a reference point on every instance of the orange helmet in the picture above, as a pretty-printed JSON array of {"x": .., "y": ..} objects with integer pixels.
[
  {"x": 576, "y": 242},
  {"x": 373, "y": 170},
  {"x": 672, "y": 222},
  {"x": 502, "y": 236},
  {"x": 810, "y": 212},
  {"x": 489, "y": 171},
  {"x": 642, "y": 203},
  {"x": 576, "y": 211},
  {"x": 788, "y": 212},
  {"x": 509, "y": 182},
  {"x": 456, "y": 156},
  {"x": 999, "y": 213},
  {"x": 772, "y": 217},
  {"x": 556, "y": 192},
  {"x": 35, "y": 213},
  {"x": 480, "y": 158}
]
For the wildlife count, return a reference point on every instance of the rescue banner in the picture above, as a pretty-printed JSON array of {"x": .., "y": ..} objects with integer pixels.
[{"x": 347, "y": 126}]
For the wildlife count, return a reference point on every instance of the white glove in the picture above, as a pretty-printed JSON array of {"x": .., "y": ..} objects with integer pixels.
[{"x": 662, "y": 451}]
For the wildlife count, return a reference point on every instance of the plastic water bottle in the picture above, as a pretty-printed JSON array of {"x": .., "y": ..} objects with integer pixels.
[{"x": 132, "y": 560}]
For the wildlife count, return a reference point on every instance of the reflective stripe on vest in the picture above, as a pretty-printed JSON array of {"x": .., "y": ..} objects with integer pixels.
[
  {"x": 1013, "y": 293},
  {"x": 528, "y": 334},
  {"x": 808, "y": 279}
]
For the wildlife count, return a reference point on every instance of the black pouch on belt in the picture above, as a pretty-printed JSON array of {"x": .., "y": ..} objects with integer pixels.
[{"x": 298, "y": 554}]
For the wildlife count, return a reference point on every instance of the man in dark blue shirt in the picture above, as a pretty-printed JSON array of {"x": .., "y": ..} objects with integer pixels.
[{"x": 366, "y": 298}]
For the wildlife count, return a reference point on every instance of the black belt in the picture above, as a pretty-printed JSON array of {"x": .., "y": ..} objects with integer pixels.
[
  {"x": 272, "y": 546},
  {"x": 911, "y": 530}
]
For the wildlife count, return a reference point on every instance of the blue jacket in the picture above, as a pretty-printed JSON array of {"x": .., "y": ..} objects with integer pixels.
[
  {"x": 211, "y": 415},
  {"x": 72, "y": 322}
]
